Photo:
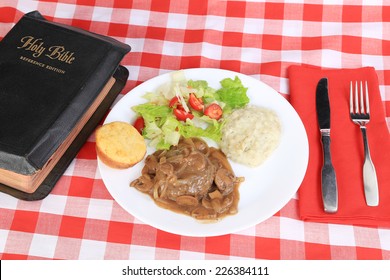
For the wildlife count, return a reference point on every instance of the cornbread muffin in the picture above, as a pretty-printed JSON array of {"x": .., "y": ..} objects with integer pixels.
[{"x": 119, "y": 145}]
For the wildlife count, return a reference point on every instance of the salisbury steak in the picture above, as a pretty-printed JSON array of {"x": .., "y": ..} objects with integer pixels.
[{"x": 191, "y": 178}]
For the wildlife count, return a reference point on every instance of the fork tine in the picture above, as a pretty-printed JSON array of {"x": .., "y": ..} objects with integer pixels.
[
  {"x": 356, "y": 98},
  {"x": 351, "y": 98},
  {"x": 362, "y": 111},
  {"x": 367, "y": 101}
]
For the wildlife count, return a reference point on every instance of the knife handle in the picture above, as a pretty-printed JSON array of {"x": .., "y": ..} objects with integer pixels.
[{"x": 328, "y": 176}]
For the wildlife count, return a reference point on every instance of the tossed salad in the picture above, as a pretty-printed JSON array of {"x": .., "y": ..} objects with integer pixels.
[{"x": 187, "y": 108}]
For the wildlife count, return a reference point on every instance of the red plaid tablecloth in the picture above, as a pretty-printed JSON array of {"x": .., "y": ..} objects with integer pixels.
[{"x": 80, "y": 220}]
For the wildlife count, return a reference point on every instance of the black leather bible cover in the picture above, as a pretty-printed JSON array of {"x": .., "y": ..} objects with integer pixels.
[
  {"x": 50, "y": 74},
  {"x": 121, "y": 75}
]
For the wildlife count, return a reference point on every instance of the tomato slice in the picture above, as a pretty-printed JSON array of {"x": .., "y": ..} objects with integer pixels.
[
  {"x": 139, "y": 124},
  {"x": 195, "y": 103},
  {"x": 214, "y": 111},
  {"x": 174, "y": 102},
  {"x": 182, "y": 115}
]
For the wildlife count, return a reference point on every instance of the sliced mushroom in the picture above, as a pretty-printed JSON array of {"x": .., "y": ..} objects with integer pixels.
[
  {"x": 143, "y": 183},
  {"x": 176, "y": 159},
  {"x": 227, "y": 203},
  {"x": 150, "y": 165},
  {"x": 224, "y": 179},
  {"x": 206, "y": 203},
  {"x": 215, "y": 194},
  {"x": 222, "y": 205},
  {"x": 216, "y": 204},
  {"x": 166, "y": 168},
  {"x": 201, "y": 146},
  {"x": 187, "y": 200}
]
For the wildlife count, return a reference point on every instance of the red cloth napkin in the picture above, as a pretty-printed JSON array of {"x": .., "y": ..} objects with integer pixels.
[{"x": 346, "y": 147}]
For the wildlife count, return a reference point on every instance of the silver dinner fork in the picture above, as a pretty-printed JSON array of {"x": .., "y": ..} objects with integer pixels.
[{"x": 360, "y": 115}]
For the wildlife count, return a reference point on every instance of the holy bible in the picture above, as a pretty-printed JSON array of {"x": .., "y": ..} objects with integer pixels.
[{"x": 56, "y": 84}]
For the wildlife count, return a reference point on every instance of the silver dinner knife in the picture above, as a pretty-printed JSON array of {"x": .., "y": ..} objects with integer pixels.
[{"x": 328, "y": 175}]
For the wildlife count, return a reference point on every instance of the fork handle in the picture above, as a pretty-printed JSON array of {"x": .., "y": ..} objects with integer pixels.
[
  {"x": 328, "y": 177},
  {"x": 369, "y": 174}
]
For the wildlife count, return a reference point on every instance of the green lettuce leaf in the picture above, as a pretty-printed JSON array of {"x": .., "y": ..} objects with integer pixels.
[
  {"x": 150, "y": 111},
  {"x": 232, "y": 94},
  {"x": 212, "y": 131}
]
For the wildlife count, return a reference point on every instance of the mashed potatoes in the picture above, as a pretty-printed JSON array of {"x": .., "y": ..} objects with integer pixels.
[{"x": 250, "y": 135}]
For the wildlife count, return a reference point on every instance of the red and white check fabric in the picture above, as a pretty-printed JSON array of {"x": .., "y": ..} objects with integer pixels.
[{"x": 80, "y": 220}]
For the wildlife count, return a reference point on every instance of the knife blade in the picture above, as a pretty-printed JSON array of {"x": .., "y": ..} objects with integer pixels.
[{"x": 328, "y": 175}]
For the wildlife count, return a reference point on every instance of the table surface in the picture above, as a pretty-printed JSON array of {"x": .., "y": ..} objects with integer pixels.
[{"x": 81, "y": 220}]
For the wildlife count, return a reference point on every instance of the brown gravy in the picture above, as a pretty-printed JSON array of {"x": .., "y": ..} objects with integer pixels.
[{"x": 191, "y": 178}]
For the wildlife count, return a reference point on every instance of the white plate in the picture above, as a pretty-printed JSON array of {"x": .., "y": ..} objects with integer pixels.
[{"x": 266, "y": 189}]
